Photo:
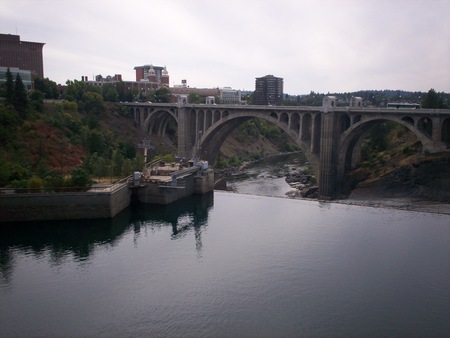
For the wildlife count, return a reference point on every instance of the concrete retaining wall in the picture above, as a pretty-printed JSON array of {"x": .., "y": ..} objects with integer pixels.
[
  {"x": 204, "y": 183},
  {"x": 64, "y": 206},
  {"x": 155, "y": 193}
]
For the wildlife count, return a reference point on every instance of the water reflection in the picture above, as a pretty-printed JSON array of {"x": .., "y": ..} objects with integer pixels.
[
  {"x": 59, "y": 239},
  {"x": 189, "y": 214}
]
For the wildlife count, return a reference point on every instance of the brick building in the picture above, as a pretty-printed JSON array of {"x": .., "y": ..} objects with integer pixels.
[
  {"x": 155, "y": 75},
  {"x": 23, "y": 55}
]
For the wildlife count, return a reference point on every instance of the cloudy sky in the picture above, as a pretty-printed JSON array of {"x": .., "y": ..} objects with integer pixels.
[{"x": 315, "y": 45}]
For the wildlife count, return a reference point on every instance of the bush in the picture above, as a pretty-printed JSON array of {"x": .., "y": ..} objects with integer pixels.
[
  {"x": 80, "y": 178},
  {"x": 54, "y": 182},
  {"x": 20, "y": 186},
  {"x": 34, "y": 184}
]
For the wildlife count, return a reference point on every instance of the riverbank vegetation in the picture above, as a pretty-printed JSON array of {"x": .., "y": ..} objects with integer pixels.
[{"x": 66, "y": 143}]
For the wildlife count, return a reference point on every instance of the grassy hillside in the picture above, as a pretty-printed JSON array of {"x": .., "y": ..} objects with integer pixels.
[{"x": 56, "y": 139}]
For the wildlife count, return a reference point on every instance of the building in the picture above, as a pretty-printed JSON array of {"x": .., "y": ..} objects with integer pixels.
[
  {"x": 157, "y": 76},
  {"x": 230, "y": 96},
  {"x": 268, "y": 90},
  {"x": 22, "y": 55},
  {"x": 25, "y": 76},
  {"x": 149, "y": 78},
  {"x": 202, "y": 92}
]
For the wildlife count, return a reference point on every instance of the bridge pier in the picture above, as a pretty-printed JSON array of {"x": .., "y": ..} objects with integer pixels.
[
  {"x": 184, "y": 134},
  {"x": 436, "y": 143},
  {"x": 328, "y": 163}
]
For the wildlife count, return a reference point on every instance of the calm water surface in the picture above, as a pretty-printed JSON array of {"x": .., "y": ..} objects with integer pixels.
[{"x": 229, "y": 265}]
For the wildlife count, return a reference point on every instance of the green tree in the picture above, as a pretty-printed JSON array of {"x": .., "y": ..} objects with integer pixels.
[
  {"x": 95, "y": 142},
  {"x": 54, "y": 181},
  {"x": 163, "y": 95},
  {"x": 110, "y": 93},
  {"x": 5, "y": 172},
  {"x": 37, "y": 100},
  {"x": 80, "y": 178},
  {"x": 8, "y": 123},
  {"x": 9, "y": 94},
  {"x": 194, "y": 98},
  {"x": 47, "y": 87},
  {"x": 128, "y": 149},
  {"x": 35, "y": 184},
  {"x": 93, "y": 103},
  {"x": 117, "y": 162},
  {"x": 75, "y": 90},
  {"x": 20, "y": 100},
  {"x": 127, "y": 167},
  {"x": 432, "y": 100}
]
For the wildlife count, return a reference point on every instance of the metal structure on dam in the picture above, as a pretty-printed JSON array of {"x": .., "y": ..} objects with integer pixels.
[{"x": 330, "y": 136}]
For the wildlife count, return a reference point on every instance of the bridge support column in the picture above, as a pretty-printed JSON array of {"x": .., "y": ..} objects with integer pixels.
[
  {"x": 436, "y": 143},
  {"x": 328, "y": 179},
  {"x": 184, "y": 133},
  {"x": 141, "y": 117}
]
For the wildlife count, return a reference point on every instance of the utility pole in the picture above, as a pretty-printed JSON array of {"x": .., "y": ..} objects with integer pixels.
[{"x": 146, "y": 144}]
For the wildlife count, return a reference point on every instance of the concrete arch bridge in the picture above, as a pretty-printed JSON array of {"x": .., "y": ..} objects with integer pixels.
[{"x": 330, "y": 136}]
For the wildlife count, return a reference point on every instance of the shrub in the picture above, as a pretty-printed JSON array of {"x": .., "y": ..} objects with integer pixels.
[
  {"x": 80, "y": 178},
  {"x": 34, "y": 184},
  {"x": 20, "y": 186}
]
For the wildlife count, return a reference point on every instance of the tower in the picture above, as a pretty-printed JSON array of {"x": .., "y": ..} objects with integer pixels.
[
  {"x": 268, "y": 90},
  {"x": 165, "y": 77}
]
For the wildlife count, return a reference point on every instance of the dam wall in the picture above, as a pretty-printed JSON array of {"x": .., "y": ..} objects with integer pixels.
[
  {"x": 17, "y": 207},
  {"x": 106, "y": 202}
]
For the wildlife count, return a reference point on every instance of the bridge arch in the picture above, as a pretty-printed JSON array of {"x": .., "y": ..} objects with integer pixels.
[
  {"x": 425, "y": 125},
  {"x": 352, "y": 138},
  {"x": 213, "y": 138},
  {"x": 156, "y": 122}
]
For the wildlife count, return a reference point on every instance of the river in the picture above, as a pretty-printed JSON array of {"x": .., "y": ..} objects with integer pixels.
[{"x": 230, "y": 265}]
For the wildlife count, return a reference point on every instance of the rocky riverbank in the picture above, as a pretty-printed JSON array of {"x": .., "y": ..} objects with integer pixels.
[
  {"x": 302, "y": 183},
  {"x": 372, "y": 198},
  {"x": 419, "y": 186},
  {"x": 388, "y": 192}
]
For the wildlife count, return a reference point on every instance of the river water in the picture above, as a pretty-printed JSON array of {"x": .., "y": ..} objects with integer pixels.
[{"x": 230, "y": 265}]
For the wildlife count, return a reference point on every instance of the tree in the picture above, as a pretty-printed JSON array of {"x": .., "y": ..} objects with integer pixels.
[
  {"x": 9, "y": 95},
  {"x": 80, "y": 178},
  {"x": 76, "y": 89},
  {"x": 37, "y": 100},
  {"x": 194, "y": 98},
  {"x": 93, "y": 103},
  {"x": 20, "y": 100},
  {"x": 163, "y": 95},
  {"x": 47, "y": 87},
  {"x": 432, "y": 100},
  {"x": 110, "y": 93},
  {"x": 117, "y": 162},
  {"x": 95, "y": 142}
]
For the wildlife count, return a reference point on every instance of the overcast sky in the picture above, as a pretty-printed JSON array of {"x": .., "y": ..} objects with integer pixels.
[{"x": 314, "y": 45}]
